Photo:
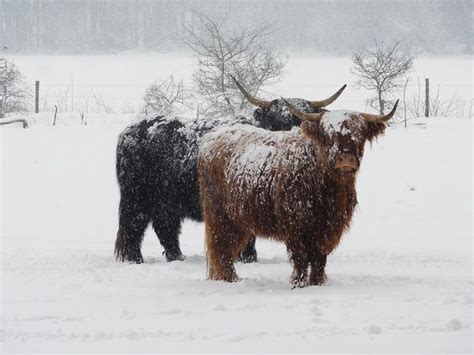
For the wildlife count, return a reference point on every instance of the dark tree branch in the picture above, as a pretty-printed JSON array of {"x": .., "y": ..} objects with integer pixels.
[{"x": 14, "y": 120}]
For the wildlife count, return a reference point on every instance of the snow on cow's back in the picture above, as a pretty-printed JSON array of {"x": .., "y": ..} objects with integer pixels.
[
  {"x": 240, "y": 136},
  {"x": 231, "y": 134},
  {"x": 250, "y": 151},
  {"x": 198, "y": 127},
  {"x": 250, "y": 161}
]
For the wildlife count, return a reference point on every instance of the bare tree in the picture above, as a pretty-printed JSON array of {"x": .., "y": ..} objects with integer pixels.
[
  {"x": 165, "y": 96},
  {"x": 382, "y": 69},
  {"x": 223, "y": 48},
  {"x": 14, "y": 93}
]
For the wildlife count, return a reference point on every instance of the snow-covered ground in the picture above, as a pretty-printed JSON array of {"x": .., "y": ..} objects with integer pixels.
[{"x": 401, "y": 280}]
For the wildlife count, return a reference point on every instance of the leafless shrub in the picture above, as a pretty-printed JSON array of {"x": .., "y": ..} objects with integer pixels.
[
  {"x": 14, "y": 93},
  {"x": 165, "y": 96},
  {"x": 222, "y": 48},
  {"x": 100, "y": 103},
  {"x": 382, "y": 69},
  {"x": 90, "y": 102},
  {"x": 440, "y": 107},
  {"x": 61, "y": 97},
  {"x": 444, "y": 108}
]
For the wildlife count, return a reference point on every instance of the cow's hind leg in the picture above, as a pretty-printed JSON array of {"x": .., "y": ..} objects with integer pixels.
[
  {"x": 167, "y": 228},
  {"x": 223, "y": 244},
  {"x": 133, "y": 221},
  {"x": 318, "y": 263},
  {"x": 249, "y": 254}
]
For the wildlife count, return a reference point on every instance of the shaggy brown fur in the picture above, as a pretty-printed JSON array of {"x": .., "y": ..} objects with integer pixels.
[{"x": 281, "y": 185}]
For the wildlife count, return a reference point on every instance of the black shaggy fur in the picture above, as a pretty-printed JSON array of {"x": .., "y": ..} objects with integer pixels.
[{"x": 157, "y": 174}]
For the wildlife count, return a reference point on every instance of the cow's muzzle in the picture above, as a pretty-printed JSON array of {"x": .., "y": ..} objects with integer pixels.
[{"x": 346, "y": 163}]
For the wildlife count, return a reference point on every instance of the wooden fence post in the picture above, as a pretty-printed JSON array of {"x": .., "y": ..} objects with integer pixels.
[
  {"x": 55, "y": 114},
  {"x": 404, "y": 100},
  {"x": 37, "y": 92},
  {"x": 427, "y": 97},
  {"x": 72, "y": 94}
]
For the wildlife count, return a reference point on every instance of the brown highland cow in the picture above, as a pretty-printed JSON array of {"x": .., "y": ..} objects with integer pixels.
[{"x": 297, "y": 187}]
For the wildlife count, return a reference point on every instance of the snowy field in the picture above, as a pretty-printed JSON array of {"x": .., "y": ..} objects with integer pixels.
[{"x": 400, "y": 281}]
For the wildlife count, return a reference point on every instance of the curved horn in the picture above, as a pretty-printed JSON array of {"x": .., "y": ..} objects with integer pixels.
[
  {"x": 380, "y": 118},
  {"x": 329, "y": 100},
  {"x": 253, "y": 100},
  {"x": 301, "y": 115}
]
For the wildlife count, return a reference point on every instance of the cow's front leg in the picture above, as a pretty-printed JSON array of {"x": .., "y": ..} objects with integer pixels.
[{"x": 299, "y": 259}]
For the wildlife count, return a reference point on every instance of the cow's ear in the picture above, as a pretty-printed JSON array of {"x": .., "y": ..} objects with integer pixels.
[{"x": 375, "y": 129}]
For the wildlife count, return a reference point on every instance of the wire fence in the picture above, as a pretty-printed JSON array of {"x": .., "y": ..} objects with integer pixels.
[{"x": 129, "y": 98}]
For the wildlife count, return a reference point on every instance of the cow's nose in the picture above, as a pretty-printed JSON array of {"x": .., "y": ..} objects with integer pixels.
[{"x": 346, "y": 162}]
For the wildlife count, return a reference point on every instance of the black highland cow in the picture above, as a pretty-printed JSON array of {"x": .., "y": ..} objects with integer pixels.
[{"x": 157, "y": 173}]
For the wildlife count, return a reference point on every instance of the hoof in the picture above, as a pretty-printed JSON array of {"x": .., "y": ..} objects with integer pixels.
[
  {"x": 317, "y": 280},
  {"x": 131, "y": 259},
  {"x": 173, "y": 256},
  {"x": 227, "y": 278},
  {"x": 300, "y": 284},
  {"x": 247, "y": 258},
  {"x": 299, "y": 281},
  {"x": 137, "y": 261}
]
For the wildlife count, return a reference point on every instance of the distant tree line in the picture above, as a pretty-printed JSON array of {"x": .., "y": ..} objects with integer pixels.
[{"x": 336, "y": 27}]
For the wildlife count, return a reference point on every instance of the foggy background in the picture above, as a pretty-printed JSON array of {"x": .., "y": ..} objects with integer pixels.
[
  {"x": 324, "y": 26},
  {"x": 101, "y": 56}
]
